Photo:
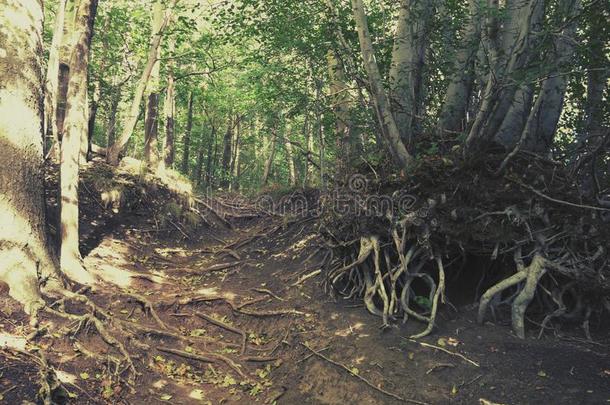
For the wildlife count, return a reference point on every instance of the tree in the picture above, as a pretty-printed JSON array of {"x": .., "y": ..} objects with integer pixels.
[
  {"x": 113, "y": 152},
  {"x": 25, "y": 254},
  {"x": 151, "y": 125},
  {"x": 75, "y": 129}
]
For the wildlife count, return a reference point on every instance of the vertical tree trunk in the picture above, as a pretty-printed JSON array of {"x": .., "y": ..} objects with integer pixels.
[
  {"x": 75, "y": 128},
  {"x": 380, "y": 99},
  {"x": 112, "y": 116},
  {"x": 65, "y": 51},
  {"x": 226, "y": 153},
  {"x": 408, "y": 57},
  {"x": 308, "y": 178},
  {"x": 235, "y": 169},
  {"x": 199, "y": 164},
  {"x": 91, "y": 124},
  {"x": 151, "y": 120},
  {"x": 539, "y": 131},
  {"x": 52, "y": 84},
  {"x": 187, "y": 136},
  {"x": 112, "y": 154},
  {"x": 212, "y": 159},
  {"x": 269, "y": 162},
  {"x": 25, "y": 256},
  {"x": 290, "y": 158},
  {"x": 170, "y": 110},
  {"x": 340, "y": 101},
  {"x": 455, "y": 106}
]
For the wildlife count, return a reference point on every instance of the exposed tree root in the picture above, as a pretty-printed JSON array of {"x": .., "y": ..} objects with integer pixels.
[
  {"x": 227, "y": 327},
  {"x": 206, "y": 357}
]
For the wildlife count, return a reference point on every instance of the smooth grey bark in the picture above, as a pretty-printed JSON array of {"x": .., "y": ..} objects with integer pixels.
[
  {"x": 379, "y": 96},
  {"x": 452, "y": 117},
  {"x": 170, "y": 111},
  {"x": 408, "y": 58}
]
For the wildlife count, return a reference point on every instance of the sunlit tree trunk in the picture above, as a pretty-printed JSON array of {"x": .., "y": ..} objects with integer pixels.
[
  {"x": 308, "y": 180},
  {"x": 76, "y": 128},
  {"x": 52, "y": 83},
  {"x": 151, "y": 121},
  {"x": 112, "y": 155},
  {"x": 459, "y": 92},
  {"x": 170, "y": 111},
  {"x": 379, "y": 96},
  {"x": 25, "y": 256},
  {"x": 199, "y": 163},
  {"x": 187, "y": 136}
]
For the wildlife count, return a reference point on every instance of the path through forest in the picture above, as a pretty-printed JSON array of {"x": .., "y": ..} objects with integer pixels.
[{"x": 257, "y": 287}]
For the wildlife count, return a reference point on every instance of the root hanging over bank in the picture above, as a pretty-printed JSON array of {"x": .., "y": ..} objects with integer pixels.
[{"x": 405, "y": 243}]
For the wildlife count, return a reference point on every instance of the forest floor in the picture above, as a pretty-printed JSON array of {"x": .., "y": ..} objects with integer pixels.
[{"x": 256, "y": 286}]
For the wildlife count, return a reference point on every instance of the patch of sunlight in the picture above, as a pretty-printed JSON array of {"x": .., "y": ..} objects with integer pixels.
[
  {"x": 350, "y": 330},
  {"x": 208, "y": 291},
  {"x": 334, "y": 316},
  {"x": 303, "y": 242},
  {"x": 166, "y": 252},
  {"x": 12, "y": 341},
  {"x": 229, "y": 295},
  {"x": 359, "y": 360},
  {"x": 197, "y": 394},
  {"x": 65, "y": 377}
]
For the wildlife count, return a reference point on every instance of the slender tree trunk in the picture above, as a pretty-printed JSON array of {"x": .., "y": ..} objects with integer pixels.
[
  {"x": 199, "y": 165},
  {"x": 269, "y": 162},
  {"x": 212, "y": 159},
  {"x": 170, "y": 109},
  {"x": 382, "y": 104},
  {"x": 75, "y": 128},
  {"x": 187, "y": 136},
  {"x": 151, "y": 121},
  {"x": 235, "y": 169},
  {"x": 290, "y": 159},
  {"x": 226, "y": 153},
  {"x": 112, "y": 155},
  {"x": 455, "y": 107},
  {"x": 341, "y": 107},
  {"x": 308, "y": 180},
  {"x": 91, "y": 124},
  {"x": 25, "y": 255},
  {"x": 112, "y": 116},
  {"x": 65, "y": 51},
  {"x": 52, "y": 83}
]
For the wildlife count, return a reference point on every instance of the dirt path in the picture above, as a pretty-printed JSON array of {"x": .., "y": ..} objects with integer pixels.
[{"x": 258, "y": 285}]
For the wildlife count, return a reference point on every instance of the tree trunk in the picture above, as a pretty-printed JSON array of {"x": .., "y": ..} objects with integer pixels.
[
  {"x": 112, "y": 116},
  {"x": 290, "y": 159},
  {"x": 112, "y": 155},
  {"x": 75, "y": 128},
  {"x": 269, "y": 162},
  {"x": 408, "y": 57},
  {"x": 308, "y": 180},
  {"x": 170, "y": 111},
  {"x": 453, "y": 114},
  {"x": 52, "y": 84},
  {"x": 235, "y": 169},
  {"x": 92, "y": 117},
  {"x": 187, "y": 136},
  {"x": 519, "y": 40},
  {"x": 340, "y": 101},
  {"x": 151, "y": 121},
  {"x": 382, "y": 105},
  {"x": 226, "y": 153},
  {"x": 541, "y": 125},
  {"x": 211, "y": 159},
  {"x": 199, "y": 165},
  {"x": 25, "y": 255}
]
